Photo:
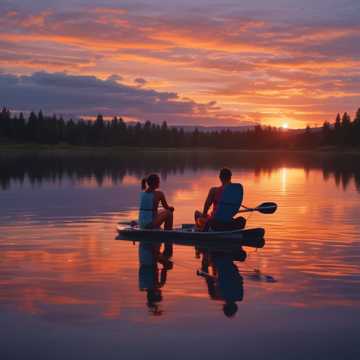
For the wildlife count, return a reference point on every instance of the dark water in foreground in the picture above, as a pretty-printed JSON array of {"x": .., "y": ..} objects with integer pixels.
[{"x": 69, "y": 290}]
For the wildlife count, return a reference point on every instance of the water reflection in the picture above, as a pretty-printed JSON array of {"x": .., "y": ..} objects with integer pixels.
[
  {"x": 101, "y": 168},
  {"x": 217, "y": 266},
  {"x": 223, "y": 279},
  {"x": 151, "y": 278},
  {"x": 65, "y": 280}
]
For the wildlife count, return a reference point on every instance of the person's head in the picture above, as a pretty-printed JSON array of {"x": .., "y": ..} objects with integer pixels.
[
  {"x": 230, "y": 309},
  {"x": 225, "y": 175},
  {"x": 152, "y": 181}
]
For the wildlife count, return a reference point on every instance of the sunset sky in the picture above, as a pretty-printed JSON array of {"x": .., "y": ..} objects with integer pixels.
[{"x": 187, "y": 62}]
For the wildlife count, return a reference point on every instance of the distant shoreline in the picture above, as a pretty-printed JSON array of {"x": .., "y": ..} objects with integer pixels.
[{"x": 113, "y": 150}]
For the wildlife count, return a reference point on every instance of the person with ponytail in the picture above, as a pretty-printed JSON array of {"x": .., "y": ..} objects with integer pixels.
[{"x": 150, "y": 217}]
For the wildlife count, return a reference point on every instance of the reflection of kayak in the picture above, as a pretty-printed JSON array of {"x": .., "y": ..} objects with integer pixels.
[{"x": 246, "y": 237}]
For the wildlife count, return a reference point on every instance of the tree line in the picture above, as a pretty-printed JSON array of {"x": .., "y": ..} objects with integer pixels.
[{"x": 41, "y": 129}]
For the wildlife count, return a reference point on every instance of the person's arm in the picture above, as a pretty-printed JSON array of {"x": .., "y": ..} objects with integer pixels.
[
  {"x": 209, "y": 201},
  {"x": 164, "y": 203}
]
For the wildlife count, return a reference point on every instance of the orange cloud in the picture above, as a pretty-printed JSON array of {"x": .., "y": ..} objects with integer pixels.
[{"x": 246, "y": 63}]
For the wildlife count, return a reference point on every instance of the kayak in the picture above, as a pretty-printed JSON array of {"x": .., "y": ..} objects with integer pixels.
[{"x": 188, "y": 235}]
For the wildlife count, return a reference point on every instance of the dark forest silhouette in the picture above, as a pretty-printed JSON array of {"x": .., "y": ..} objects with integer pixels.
[{"x": 41, "y": 129}]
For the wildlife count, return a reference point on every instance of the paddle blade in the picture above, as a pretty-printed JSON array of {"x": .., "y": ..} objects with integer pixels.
[{"x": 267, "y": 208}]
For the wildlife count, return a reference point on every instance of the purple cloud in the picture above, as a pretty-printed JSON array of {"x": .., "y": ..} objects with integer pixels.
[{"x": 87, "y": 96}]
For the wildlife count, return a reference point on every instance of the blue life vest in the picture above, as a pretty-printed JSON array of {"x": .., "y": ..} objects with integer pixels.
[
  {"x": 229, "y": 203},
  {"x": 146, "y": 211}
]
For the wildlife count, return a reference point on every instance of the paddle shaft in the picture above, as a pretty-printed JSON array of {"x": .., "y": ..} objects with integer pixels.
[
  {"x": 265, "y": 208},
  {"x": 247, "y": 210}
]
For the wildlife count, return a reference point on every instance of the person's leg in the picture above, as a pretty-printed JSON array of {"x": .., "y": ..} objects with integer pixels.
[
  {"x": 200, "y": 221},
  {"x": 197, "y": 215},
  {"x": 169, "y": 220},
  {"x": 166, "y": 217}
]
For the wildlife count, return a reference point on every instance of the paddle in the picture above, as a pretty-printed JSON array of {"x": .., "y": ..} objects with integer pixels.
[
  {"x": 264, "y": 208},
  {"x": 255, "y": 275}
]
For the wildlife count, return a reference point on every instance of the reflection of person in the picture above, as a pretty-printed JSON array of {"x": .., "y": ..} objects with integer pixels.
[
  {"x": 151, "y": 279},
  {"x": 223, "y": 279},
  {"x": 149, "y": 215},
  {"x": 225, "y": 201}
]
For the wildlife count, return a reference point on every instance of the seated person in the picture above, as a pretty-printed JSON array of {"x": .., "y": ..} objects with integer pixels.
[
  {"x": 225, "y": 201},
  {"x": 150, "y": 217}
]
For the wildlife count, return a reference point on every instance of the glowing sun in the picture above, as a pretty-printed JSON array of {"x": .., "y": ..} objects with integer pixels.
[{"x": 285, "y": 125}]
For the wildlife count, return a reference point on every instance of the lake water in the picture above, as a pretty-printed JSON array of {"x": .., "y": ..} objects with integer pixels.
[{"x": 70, "y": 290}]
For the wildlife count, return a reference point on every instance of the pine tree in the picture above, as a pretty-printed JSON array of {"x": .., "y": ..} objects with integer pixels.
[
  {"x": 326, "y": 133},
  {"x": 337, "y": 125},
  {"x": 345, "y": 137},
  {"x": 337, "y": 129}
]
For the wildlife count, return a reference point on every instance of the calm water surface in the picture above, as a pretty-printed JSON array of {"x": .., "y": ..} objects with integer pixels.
[{"x": 70, "y": 290}]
